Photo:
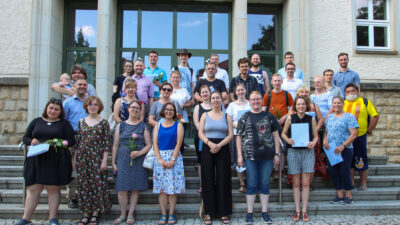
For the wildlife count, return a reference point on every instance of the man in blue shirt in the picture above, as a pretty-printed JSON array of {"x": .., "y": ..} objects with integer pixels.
[
  {"x": 74, "y": 111},
  {"x": 155, "y": 73},
  {"x": 345, "y": 76},
  {"x": 289, "y": 58}
]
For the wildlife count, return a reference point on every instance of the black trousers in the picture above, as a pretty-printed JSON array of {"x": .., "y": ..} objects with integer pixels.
[{"x": 216, "y": 181}]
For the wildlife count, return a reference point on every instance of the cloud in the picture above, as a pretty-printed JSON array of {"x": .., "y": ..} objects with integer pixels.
[
  {"x": 193, "y": 23},
  {"x": 88, "y": 31}
]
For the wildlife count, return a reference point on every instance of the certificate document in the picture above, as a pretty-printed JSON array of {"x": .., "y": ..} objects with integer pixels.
[
  {"x": 38, "y": 149},
  {"x": 300, "y": 134},
  {"x": 332, "y": 156}
]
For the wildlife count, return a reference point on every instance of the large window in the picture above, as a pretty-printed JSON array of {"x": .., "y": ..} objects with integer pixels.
[
  {"x": 372, "y": 24},
  {"x": 263, "y": 36},
  {"x": 202, "y": 29},
  {"x": 81, "y": 38}
]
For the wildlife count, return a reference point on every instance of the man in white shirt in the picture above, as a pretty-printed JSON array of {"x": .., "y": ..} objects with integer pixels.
[
  {"x": 289, "y": 58},
  {"x": 221, "y": 73},
  {"x": 290, "y": 83}
]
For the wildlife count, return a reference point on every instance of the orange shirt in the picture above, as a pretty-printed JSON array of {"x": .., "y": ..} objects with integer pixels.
[{"x": 278, "y": 105}]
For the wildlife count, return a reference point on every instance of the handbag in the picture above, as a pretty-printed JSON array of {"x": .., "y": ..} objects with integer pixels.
[{"x": 148, "y": 162}]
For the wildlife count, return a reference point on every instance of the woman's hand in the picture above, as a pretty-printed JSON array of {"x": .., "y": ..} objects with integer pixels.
[
  {"x": 114, "y": 166},
  {"x": 162, "y": 163},
  {"x": 311, "y": 144},
  {"x": 170, "y": 164},
  {"x": 276, "y": 160},
  {"x": 135, "y": 154},
  {"x": 326, "y": 144},
  {"x": 34, "y": 141},
  {"x": 290, "y": 141},
  {"x": 240, "y": 161},
  {"x": 103, "y": 166},
  {"x": 339, "y": 150},
  {"x": 212, "y": 146}
]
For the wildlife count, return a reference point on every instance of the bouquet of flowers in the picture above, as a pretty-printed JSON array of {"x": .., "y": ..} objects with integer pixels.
[
  {"x": 180, "y": 119},
  {"x": 159, "y": 77},
  {"x": 58, "y": 143},
  {"x": 132, "y": 145}
]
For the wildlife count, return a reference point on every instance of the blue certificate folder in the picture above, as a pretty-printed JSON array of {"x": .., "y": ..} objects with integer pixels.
[
  {"x": 332, "y": 157},
  {"x": 300, "y": 134},
  {"x": 37, "y": 149}
]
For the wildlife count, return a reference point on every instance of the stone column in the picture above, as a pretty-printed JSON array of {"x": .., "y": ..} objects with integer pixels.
[
  {"x": 105, "y": 52},
  {"x": 46, "y": 52},
  {"x": 239, "y": 33}
]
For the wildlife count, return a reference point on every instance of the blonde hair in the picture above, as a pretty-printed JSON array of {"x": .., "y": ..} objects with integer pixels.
[{"x": 130, "y": 82}]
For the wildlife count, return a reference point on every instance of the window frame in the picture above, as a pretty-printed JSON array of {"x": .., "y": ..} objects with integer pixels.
[
  {"x": 371, "y": 24},
  {"x": 173, "y": 7}
]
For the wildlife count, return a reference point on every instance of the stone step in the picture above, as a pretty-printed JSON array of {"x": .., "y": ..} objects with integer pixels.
[
  {"x": 14, "y": 211},
  {"x": 191, "y": 171},
  {"x": 9, "y": 196},
  {"x": 193, "y": 182}
]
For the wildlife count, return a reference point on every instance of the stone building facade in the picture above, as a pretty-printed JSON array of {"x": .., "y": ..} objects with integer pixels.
[{"x": 32, "y": 48}]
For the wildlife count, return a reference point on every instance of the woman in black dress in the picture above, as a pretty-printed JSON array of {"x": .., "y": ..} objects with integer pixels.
[{"x": 52, "y": 168}]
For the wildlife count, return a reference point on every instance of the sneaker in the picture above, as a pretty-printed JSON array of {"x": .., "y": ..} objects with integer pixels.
[
  {"x": 73, "y": 204},
  {"x": 23, "y": 222},
  {"x": 54, "y": 221},
  {"x": 347, "y": 201},
  {"x": 249, "y": 218},
  {"x": 336, "y": 200},
  {"x": 265, "y": 217}
]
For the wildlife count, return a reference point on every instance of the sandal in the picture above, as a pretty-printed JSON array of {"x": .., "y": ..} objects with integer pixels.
[
  {"x": 207, "y": 220},
  {"x": 200, "y": 190},
  {"x": 242, "y": 189},
  {"x": 93, "y": 220},
  {"x": 305, "y": 217},
  {"x": 296, "y": 216},
  {"x": 130, "y": 220},
  {"x": 163, "y": 219},
  {"x": 225, "y": 220},
  {"x": 363, "y": 187},
  {"x": 119, "y": 220},
  {"x": 84, "y": 221},
  {"x": 171, "y": 219}
]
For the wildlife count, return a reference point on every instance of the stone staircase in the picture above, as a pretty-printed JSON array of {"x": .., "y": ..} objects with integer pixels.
[{"x": 382, "y": 196}]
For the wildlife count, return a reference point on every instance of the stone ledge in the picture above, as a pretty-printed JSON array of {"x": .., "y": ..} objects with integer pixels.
[
  {"x": 381, "y": 86},
  {"x": 14, "y": 80}
]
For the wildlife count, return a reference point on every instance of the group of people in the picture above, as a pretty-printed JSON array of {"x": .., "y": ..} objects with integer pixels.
[{"x": 151, "y": 111}]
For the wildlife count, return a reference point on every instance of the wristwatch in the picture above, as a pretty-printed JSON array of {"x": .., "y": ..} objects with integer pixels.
[
  {"x": 278, "y": 154},
  {"x": 173, "y": 159}
]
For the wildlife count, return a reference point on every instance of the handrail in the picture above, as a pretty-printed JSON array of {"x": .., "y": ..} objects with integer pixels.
[
  {"x": 23, "y": 147},
  {"x": 280, "y": 170}
]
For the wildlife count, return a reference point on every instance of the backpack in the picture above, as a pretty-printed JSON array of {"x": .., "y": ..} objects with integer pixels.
[
  {"x": 366, "y": 105},
  {"x": 191, "y": 70},
  {"x": 269, "y": 100}
]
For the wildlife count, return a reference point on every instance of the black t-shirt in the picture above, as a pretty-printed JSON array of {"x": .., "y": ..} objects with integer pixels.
[
  {"x": 119, "y": 81},
  {"x": 256, "y": 131},
  {"x": 216, "y": 85}
]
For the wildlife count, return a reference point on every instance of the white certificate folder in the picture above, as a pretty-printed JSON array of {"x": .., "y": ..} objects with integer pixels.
[
  {"x": 332, "y": 156},
  {"x": 34, "y": 150},
  {"x": 300, "y": 134}
]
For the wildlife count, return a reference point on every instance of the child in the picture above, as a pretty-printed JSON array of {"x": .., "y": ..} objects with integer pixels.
[{"x": 65, "y": 82}]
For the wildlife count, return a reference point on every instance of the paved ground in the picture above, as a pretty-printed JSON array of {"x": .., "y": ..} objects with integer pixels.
[{"x": 320, "y": 220}]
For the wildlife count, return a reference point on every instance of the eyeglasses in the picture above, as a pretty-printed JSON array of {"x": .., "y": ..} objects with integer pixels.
[
  {"x": 135, "y": 108},
  {"x": 169, "y": 110},
  {"x": 166, "y": 89}
]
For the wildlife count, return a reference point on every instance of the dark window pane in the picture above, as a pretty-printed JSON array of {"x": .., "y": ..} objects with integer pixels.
[
  {"x": 192, "y": 30},
  {"x": 85, "y": 28},
  {"x": 380, "y": 37},
  {"x": 164, "y": 62},
  {"x": 86, "y": 59},
  {"x": 379, "y": 9},
  {"x": 220, "y": 31},
  {"x": 157, "y": 29},
  {"x": 362, "y": 36},
  {"x": 362, "y": 9},
  {"x": 129, "y": 29},
  {"x": 261, "y": 32}
]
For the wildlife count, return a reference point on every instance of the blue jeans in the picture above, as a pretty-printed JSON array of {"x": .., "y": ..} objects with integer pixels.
[{"x": 258, "y": 175}]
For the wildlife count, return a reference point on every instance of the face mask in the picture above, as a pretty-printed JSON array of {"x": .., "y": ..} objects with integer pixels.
[{"x": 351, "y": 98}]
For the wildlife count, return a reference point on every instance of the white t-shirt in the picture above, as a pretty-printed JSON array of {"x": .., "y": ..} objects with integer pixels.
[
  {"x": 221, "y": 74},
  {"x": 236, "y": 111},
  {"x": 181, "y": 96},
  {"x": 291, "y": 86}
]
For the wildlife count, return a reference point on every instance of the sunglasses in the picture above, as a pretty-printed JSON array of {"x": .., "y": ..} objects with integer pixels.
[{"x": 167, "y": 89}]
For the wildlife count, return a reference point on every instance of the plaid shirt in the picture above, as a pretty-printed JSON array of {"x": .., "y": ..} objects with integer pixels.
[{"x": 251, "y": 84}]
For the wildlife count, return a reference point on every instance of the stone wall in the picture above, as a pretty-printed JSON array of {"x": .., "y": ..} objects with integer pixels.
[
  {"x": 385, "y": 139},
  {"x": 13, "y": 113}
]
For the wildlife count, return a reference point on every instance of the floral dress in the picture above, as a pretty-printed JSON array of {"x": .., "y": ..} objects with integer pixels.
[{"x": 92, "y": 184}]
